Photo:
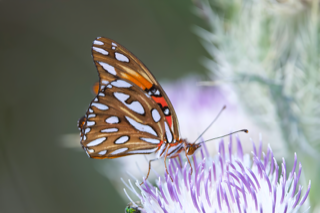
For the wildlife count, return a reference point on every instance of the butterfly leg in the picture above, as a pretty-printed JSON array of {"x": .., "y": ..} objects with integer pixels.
[
  {"x": 149, "y": 169},
  {"x": 185, "y": 152},
  {"x": 165, "y": 165}
]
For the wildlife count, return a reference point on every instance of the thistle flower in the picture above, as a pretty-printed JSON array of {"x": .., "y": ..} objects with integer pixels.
[{"x": 225, "y": 183}]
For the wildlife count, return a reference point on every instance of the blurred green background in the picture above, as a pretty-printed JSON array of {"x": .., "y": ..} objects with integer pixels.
[
  {"x": 267, "y": 50},
  {"x": 46, "y": 78}
]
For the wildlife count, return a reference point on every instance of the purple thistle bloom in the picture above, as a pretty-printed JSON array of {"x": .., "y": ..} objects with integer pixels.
[{"x": 225, "y": 183}]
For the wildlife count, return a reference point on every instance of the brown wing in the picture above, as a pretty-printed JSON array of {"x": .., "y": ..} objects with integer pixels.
[
  {"x": 130, "y": 113},
  {"x": 127, "y": 66},
  {"x": 122, "y": 121}
]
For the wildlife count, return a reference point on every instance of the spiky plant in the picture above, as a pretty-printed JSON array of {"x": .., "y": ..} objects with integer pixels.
[{"x": 269, "y": 51}]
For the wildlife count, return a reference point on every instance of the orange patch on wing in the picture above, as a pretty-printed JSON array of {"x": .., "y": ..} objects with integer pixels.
[
  {"x": 95, "y": 88},
  {"x": 137, "y": 79}
]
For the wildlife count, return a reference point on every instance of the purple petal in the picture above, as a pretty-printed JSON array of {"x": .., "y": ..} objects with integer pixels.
[
  {"x": 274, "y": 201},
  {"x": 294, "y": 166},
  {"x": 204, "y": 146},
  {"x": 226, "y": 199},
  {"x": 306, "y": 195},
  {"x": 237, "y": 199},
  {"x": 276, "y": 173},
  {"x": 198, "y": 184},
  {"x": 194, "y": 199},
  {"x": 218, "y": 197},
  {"x": 162, "y": 193},
  {"x": 244, "y": 195},
  {"x": 206, "y": 191},
  {"x": 294, "y": 185},
  {"x": 230, "y": 148},
  {"x": 229, "y": 188},
  {"x": 202, "y": 208},
  {"x": 241, "y": 166},
  {"x": 254, "y": 147},
  {"x": 272, "y": 163},
  {"x": 214, "y": 171},
  {"x": 285, "y": 208},
  {"x": 299, "y": 173},
  {"x": 239, "y": 149},
  {"x": 221, "y": 164},
  {"x": 176, "y": 182},
  {"x": 260, "y": 147},
  {"x": 297, "y": 198},
  {"x": 268, "y": 181},
  {"x": 282, "y": 192},
  {"x": 254, "y": 197},
  {"x": 185, "y": 176},
  {"x": 284, "y": 170},
  {"x": 254, "y": 177}
]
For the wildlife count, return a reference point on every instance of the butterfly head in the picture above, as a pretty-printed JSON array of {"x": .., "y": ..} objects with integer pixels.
[{"x": 191, "y": 147}]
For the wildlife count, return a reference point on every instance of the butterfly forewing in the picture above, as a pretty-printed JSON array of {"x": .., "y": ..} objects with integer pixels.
[
  {"x": 131, "y": 114},
  {"x": 113, "y": 60}
]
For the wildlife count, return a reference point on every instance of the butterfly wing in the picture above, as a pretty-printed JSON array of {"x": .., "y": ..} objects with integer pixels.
[
  {"x": 131, "y": 114},
  {"x": 129, "y": 67}
]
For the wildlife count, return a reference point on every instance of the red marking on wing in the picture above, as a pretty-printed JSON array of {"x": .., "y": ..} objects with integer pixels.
[
  {"x": 160, "y": 100},
  {"x": 169, "y": 119}
]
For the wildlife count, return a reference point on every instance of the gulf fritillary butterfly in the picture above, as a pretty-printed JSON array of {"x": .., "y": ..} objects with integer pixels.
[{"x": 131, "y": 113}]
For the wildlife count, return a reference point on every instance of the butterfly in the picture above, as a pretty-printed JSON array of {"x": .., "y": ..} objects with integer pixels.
[{"x": 131, "y": 113}]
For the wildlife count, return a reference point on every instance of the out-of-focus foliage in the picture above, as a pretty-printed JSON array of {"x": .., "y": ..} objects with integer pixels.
[{"x": 269, "y": 51}]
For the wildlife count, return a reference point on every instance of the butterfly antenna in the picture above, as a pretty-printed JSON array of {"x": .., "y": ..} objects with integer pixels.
[
  {"x": 242, "y": 130},
  {"x": 223, "y": 108}
]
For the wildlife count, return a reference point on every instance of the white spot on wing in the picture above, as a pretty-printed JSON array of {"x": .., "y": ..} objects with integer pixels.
[
  {"x": 122, "y": 140},
  {"x": 121, "y": 84},
  {"x": 155, "y": 115},
  {"x": 168, "y": 132},
  {"x": 151, "y": 140},
  {"x": 99, "y": 50},
  {"x": 141, "y": 151},
  {"x": 90, "y": 150},
  {"x": 110, "y": 130},
  {"x": 90, "y": 123},
  {"x": 98, "y": 42},
  {"x": 119, "y": 151},
  {"x": 91, "y": 115},
  {"x": 141, "y": 127},
  {"x": 95, "y": 100},
  {"x": 121, "y": 57},
  {"x": 110, "y": 69},
  {"x": 90, "y": 110},
  {"x": 105, "y": 82},
  {"x": 121, "y": 96},
  {"x": 102, "y": 94},
  {"x": 114, "y": 44},
  {"x": 112, "y": 120},
  {"x": 87, "y": 130},
  {"x": 96, "y": 141},
  {"x": 134, "y": 106},
  {"x": 166, "y": 111},
  {"x": 100, "y": 106},
  {"x": 102, "y": 152}
]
